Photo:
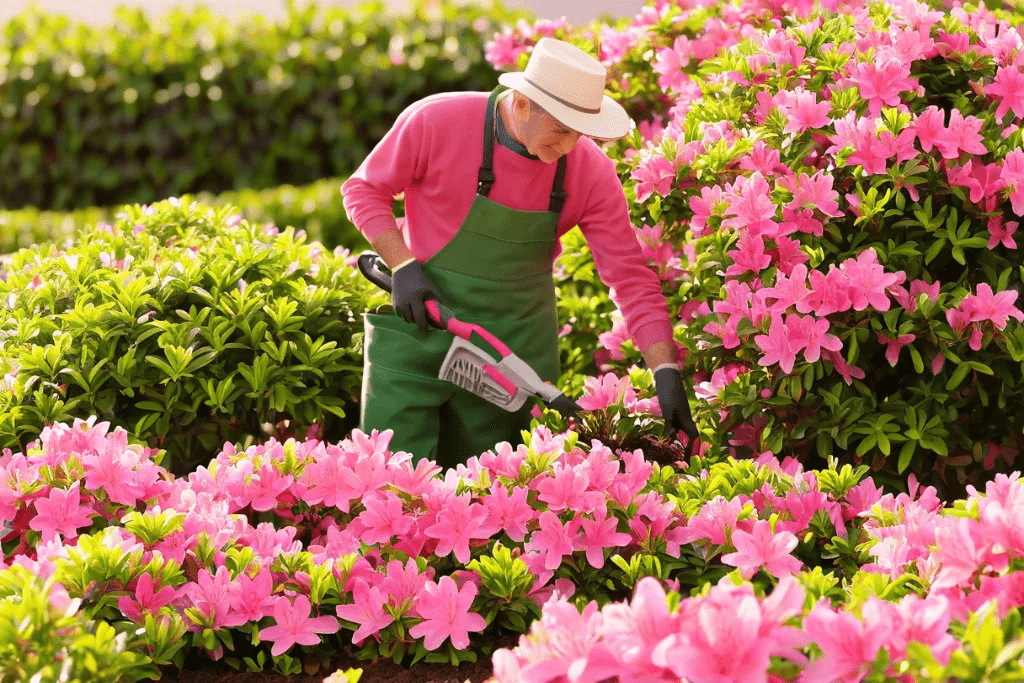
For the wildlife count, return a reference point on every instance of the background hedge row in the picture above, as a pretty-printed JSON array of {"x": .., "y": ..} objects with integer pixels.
[
  {"x": 315, "y": 208},
  {"x": 138, "y": 111}
]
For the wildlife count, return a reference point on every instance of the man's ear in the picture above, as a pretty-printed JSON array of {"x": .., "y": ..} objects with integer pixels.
[{"x": 520, "y": 106}]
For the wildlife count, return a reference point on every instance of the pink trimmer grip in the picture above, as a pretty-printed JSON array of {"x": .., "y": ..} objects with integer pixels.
[
  {"x": 433, "y": 311},
  {"x": 464, "y": 329},
  {"x": 506, "y": 384}
]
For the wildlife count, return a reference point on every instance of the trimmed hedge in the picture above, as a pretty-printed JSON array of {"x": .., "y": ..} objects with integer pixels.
[
  {"x": 187, "y": 326},
  {"x": 316, "y": 208},
  {"x": 137, "y": 111}
]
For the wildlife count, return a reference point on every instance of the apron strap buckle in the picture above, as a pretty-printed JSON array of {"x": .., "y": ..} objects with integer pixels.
[{"x": 485, "y": 179}]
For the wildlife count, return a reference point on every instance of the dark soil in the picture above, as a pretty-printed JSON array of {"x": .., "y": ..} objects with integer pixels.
[
  {"x": 202, "y": 670},
  {"x": 384, "y": 671}
]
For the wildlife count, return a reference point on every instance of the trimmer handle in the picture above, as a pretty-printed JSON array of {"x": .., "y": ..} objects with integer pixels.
[{"x": 373, "y": 268}]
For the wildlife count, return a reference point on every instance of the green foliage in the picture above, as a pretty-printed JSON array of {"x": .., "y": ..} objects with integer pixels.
[
  {"x": 45, "y": 639},
  {"x": 184, "y": 327},
  {"x": 316, "y": 208},
  {"x": 139, "y": 111}
]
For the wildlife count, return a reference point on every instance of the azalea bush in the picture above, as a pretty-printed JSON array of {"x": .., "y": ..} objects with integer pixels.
[
  {"x": 296, "y": 554},
  {"x": 830, "y": 195},
  {"x": 187, "y": 325}
]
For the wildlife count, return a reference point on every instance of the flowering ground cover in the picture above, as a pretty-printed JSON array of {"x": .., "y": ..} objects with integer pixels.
[{"x": 290, "y": 554}]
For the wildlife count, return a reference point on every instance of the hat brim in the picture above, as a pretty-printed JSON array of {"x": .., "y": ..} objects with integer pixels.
[{"x": 611, "y": 123}]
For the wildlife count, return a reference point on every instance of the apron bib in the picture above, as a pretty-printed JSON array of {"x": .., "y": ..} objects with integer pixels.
[{"x": 495, "y": 272}]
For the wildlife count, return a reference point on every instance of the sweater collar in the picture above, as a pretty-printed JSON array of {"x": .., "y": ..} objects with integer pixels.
[{"x": 507, "y": 140}]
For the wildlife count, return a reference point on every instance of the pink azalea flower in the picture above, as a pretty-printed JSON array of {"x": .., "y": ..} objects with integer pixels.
[
  {"x": 295, "y": 625},
  {"x": 509, "y": 510},
  {"x": 553, "y": 540},
  {"x": 110, "y": 469},
  {"x": 787, "y": 291},
  {"x": 600, "y": 393},
  {"x": 565, "y": 488},
  {"x": 252, "y": 598},
  {"x": 777, "y": 346},
  {"x": 266, "y": 486},
  {"x": 849, "y": 645},
  {"x": 814, "y": 192},
  {"x": 145, "y": 601},
  {"x": 929, "y": 127},
  {"x": 803, "y": 111},
  {"x": 367, "y": 610},
  {"x": 811, "y": 335},
  {"x": 983, "y": 180},
  {"x": 654, "y": 175},
  {"x": 504, "y": 49},
  {"x": 751, "y": 207},
  {"x": 881, "y": 82},
  {"x": 384, "y": 518},
  {"x": 846, "y": 371},
  {"x": 715, "y": 522},
  {"x": 962, "y": 135},
  {"x": 670, "y": 62},
  {"x": 763, "y": 548},
  {"x": 985, "y": 305},
  {"x": 459, "y": 523},
  {"x": 600, "y": 533},
  {"x": 211, "y": 596},
  {"x": 723, "y": 637},
  {"x": 1000, "y": 232},
  {"x": 445, "y": 609},
  {"x": 1012, "y": 173},
  {"x": 868, "y": 281},
  {"x": 61, "y": 512},
  {"x": 1008, "y": 87},
  {"x": 401, "y": 583},
  {"x": 762, "y": 159},
  {"x": 893, "y": 346},
  {"x": 749, "y": 255}
]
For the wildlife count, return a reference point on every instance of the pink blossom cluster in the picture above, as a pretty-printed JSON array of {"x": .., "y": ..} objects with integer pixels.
[
  {"x": 549, "y": 500},
  {"x": 774, "y": 205},
  {"x": 732, "y": 631}
]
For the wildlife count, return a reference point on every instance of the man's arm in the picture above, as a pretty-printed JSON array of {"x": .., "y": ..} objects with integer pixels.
[
  {"x": 392, "y": 248},
  {"x": 660, "y": 354}
]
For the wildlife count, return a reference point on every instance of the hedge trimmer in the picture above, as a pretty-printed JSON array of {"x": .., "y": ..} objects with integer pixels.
[{"x": 506, "y": 382}]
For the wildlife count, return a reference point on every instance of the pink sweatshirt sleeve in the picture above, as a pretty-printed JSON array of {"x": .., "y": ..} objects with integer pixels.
[
  {"x": 620, "y": 262},
  {"x": 398, "y": 160}
]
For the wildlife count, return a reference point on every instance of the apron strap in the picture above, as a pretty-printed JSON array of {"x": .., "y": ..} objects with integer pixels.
[{"x": 485, "y": 176}]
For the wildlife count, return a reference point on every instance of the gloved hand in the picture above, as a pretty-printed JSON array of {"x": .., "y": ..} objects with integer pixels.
[
  {"x": 675, "y": 407},
  {"x": 410, "y": 289}
]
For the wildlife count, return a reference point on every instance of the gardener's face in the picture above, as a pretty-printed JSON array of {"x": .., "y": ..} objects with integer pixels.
[{"x": 542, "y": 134}]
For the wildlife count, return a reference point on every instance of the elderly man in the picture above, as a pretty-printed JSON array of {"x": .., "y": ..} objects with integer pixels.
[{"x": 481, "y": 233}]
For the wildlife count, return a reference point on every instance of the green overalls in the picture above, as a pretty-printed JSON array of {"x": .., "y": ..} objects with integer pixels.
[{"x": 495, "y": 272}]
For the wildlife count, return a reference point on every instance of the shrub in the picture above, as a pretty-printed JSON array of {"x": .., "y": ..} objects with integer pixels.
[
  {"x": 832, "y": 198},
  {"x": 44, "y": 637},
  {"x": 186, "y": 325},
  {"x": 315, "y": 209},
  {"x": 137, "y": 111}
]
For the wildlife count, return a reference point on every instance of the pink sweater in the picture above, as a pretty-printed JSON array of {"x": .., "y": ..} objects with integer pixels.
[{"x": 433, "y": 153}]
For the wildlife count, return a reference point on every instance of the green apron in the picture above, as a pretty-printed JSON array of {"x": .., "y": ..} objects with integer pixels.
[{"x": 495, "y": 272}]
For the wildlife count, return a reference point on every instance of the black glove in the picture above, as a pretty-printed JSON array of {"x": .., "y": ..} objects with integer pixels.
[
  {"x": 675, "y": 407},
  {"x": 410, "y": 289}
]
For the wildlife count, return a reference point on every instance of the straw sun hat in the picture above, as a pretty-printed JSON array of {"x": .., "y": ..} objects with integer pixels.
[{"x": 569, "y": 84}]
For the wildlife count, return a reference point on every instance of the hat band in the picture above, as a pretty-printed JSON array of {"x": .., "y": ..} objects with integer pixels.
[{"x": 558, "y": 99}]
